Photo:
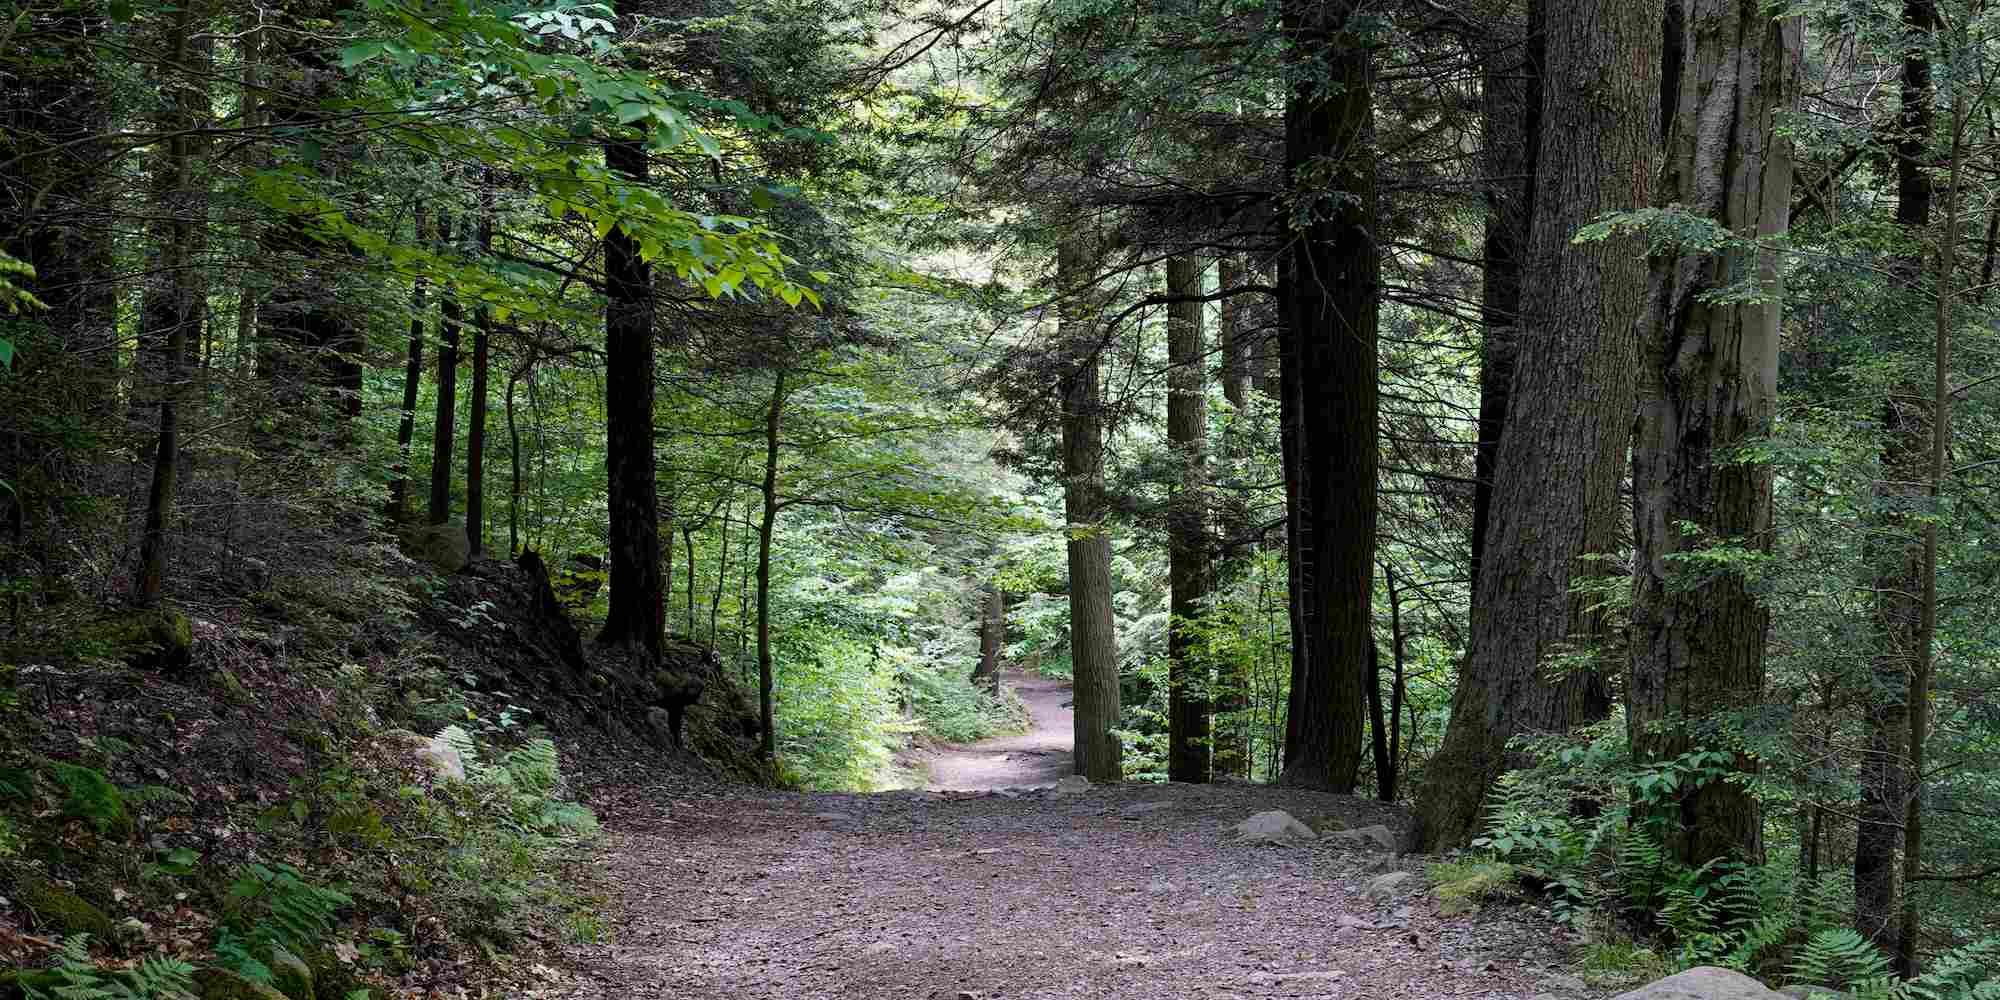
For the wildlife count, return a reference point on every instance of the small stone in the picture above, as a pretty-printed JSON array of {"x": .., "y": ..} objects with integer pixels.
[
  {"x": 833, "y": 817},
  {"x": 1075, "y": 784}
]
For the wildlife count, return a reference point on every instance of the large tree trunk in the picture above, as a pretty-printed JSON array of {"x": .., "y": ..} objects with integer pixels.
[
  {"x": 1895, "y": 550},
  {"x": 1189, "y": 579},
  {"x": 1709, "y": 387},
  {"x": 1328, "y": 370},
  {"x": 176, "y": 302},
  {"x": 1560, "y": 462},
  {"x": 444, "y": 430},
  {"x": 1510, "y": 115},
  {"x": 638, "y": 607},
  {"x": 1093, "y": 640}
]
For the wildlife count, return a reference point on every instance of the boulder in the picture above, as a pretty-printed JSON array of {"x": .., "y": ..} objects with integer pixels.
[
  {"x": 158, "y": 639},
  {"x": 1390, "y": 885},
  {"x": 1274, "y": 826},
  {"x": 1075, "y": 784},
  {"x": 222, "y": 984},
  {"x": 1377, "y": 837},
  {"x": 59, "y": 911},
  {"x": 1704, "y": 982},
  {"x": 437, "y": 754},
  {"x": 290, "y": 974},
  {"x": 445, "y": 546}
]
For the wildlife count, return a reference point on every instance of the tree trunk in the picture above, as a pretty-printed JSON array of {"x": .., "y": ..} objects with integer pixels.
[
  {"x": 992, "y": 636},
  {"x": 1235, "y": 345},
  {"x": 1708, "y": 388},
  {"x": 638, "y": 608},
  {"x": 1092, "y": 637},
  {"x": 1189, "y": 580},
  {"x": 1907, "y": 963},
  {"x": 1396, "y": 683},
  {"x": 475, "y": 434},
  {"x": 1510, "y": 114},
  {"x": 1328, "y": 374},
  {"x": 1560, "y": 463},
  {"x": 413, "y": 374},
  {"x": 514, "y": 481},
  {"x": 1896, "y": 558},
  {"x": 444, "y": 430},
  {"x": 767, "y": 746},
  {"x": 176, "y": 303}
]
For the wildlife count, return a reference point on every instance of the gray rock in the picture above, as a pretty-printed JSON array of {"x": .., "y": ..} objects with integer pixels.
[
  {"x": 1371, "y": 837},
  {"x": 443, "y": 758},
  {"x": 1567, "y": 983},
  {"x": 1142, "y": 808},
  {"x": 1075, "y": 784},
  {"x": 1703, "y": 983},
  {"x": 1274, "y": 826},
  {"x": 1391, "y": 885},
  {"x": 833, "y": 817},
  {"x": 444, "y": 546}
]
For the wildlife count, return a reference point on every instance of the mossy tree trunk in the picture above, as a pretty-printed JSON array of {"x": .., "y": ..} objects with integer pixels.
[{"x": 1093, "y": 638}]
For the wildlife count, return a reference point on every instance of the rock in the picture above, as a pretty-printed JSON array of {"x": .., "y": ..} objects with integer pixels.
[
  {"x": 1142, "y": 808},
  {"x": 58, "y": 910},
  {"x": 290, "y": 974},
  {"x": 1703, "y": 983},
  {"x": 222, "y": 984},
  {"x": 834, "y": 817},
  {"x": 444, "y": 546},
  {"x": 158, "y": 639},
  {"x": 436, "y": 752},
  {"x": 1390, "y": 885},
  {"x": 1371, "y": 837},
  {"x": 1075, "y": 784},
  {"x": 131, "y": 932},
  {"x": 1567, "y": 983},
  {"x": 1275, "y": 826}
]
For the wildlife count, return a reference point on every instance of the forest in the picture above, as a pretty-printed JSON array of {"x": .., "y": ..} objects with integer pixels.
[{"x": 436, "y": 432}]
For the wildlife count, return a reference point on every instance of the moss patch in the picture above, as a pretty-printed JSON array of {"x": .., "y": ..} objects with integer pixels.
[
  {"x": 1462, "y": 885},
  {"x": 59, "y": 910},
  {"x": 156, "y": 639}
]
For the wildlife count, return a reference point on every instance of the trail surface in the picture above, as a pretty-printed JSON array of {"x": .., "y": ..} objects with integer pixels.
[
  {"x": 1126, "y": 892},
  {"x": 1040, "y": 756}
]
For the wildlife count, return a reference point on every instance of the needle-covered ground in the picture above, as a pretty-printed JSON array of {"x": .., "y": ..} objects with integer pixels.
[{"x": 1134, "y": 891}]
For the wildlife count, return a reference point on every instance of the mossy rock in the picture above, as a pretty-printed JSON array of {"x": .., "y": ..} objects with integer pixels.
[
  {"x": 290, "y": 974},
  {"x": 156, "y": 639},
  {"x": 60, "y": 911},
  {"x": 331, "y": 976},
  {"x": 222, "y": 984}
]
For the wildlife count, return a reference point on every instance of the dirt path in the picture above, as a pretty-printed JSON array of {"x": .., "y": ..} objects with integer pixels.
[
  {"x": 1040, "y": 756},
  {"x": 1132, "y": 891}
]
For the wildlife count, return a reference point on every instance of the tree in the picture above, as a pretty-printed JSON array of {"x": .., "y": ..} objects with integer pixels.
[
  {"x": 444, "y": 429},
  {"x": 1093, "y": 641},
  {"x": 638, "y": 609},
  {"x": 1189, "y": 683},
  {"x": 1707, "y": 393},
  {"x": 1329, "y": 294},
  {"x": 992, "y": 636},
  {"x": 1559, "y": 465}
]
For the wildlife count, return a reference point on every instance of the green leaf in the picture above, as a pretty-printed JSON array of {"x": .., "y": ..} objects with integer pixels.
[{"x": 6, "y": 354}]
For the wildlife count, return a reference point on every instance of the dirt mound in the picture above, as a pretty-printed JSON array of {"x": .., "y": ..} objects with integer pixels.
[{"x": 522, "y": 642}]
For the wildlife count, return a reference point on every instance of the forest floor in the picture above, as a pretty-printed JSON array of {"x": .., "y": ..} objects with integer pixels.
[{"x": 1129, "y": 891}]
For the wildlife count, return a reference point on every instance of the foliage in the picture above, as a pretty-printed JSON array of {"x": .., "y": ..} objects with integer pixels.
[
  {"x": 274, "y": 906},
  {"x": 76, "y": 977}
]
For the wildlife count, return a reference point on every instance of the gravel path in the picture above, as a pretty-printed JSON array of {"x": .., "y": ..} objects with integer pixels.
[
  {"x": 1128, "y": 891},
  {"x": 1040, "y": 756}
]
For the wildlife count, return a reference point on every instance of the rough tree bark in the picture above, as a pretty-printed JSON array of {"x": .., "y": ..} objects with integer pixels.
[
  {"x": 1328, "y": 297},
  {"x": 1896, "y": 550},
  {"x": 1559, "y": 465},
  {"x": 444, "y": 430},
  {"x": 1188, "y": 572},
  {"x": 1092, "y": 638},
  {"x": 1708, "y": 387},
  {"x": 638, "y": 609}
]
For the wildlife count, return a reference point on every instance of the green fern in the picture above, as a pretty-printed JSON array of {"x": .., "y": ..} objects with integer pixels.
[
  {"x": 92, "y": 797},
  {"x": 1842, "y": 959},
  {"x": 1970, "y": 972},
  {"x": 535, "y": 766},
  {"x": 275, "y": 906},
  {"x": 76, "y": 977}
]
